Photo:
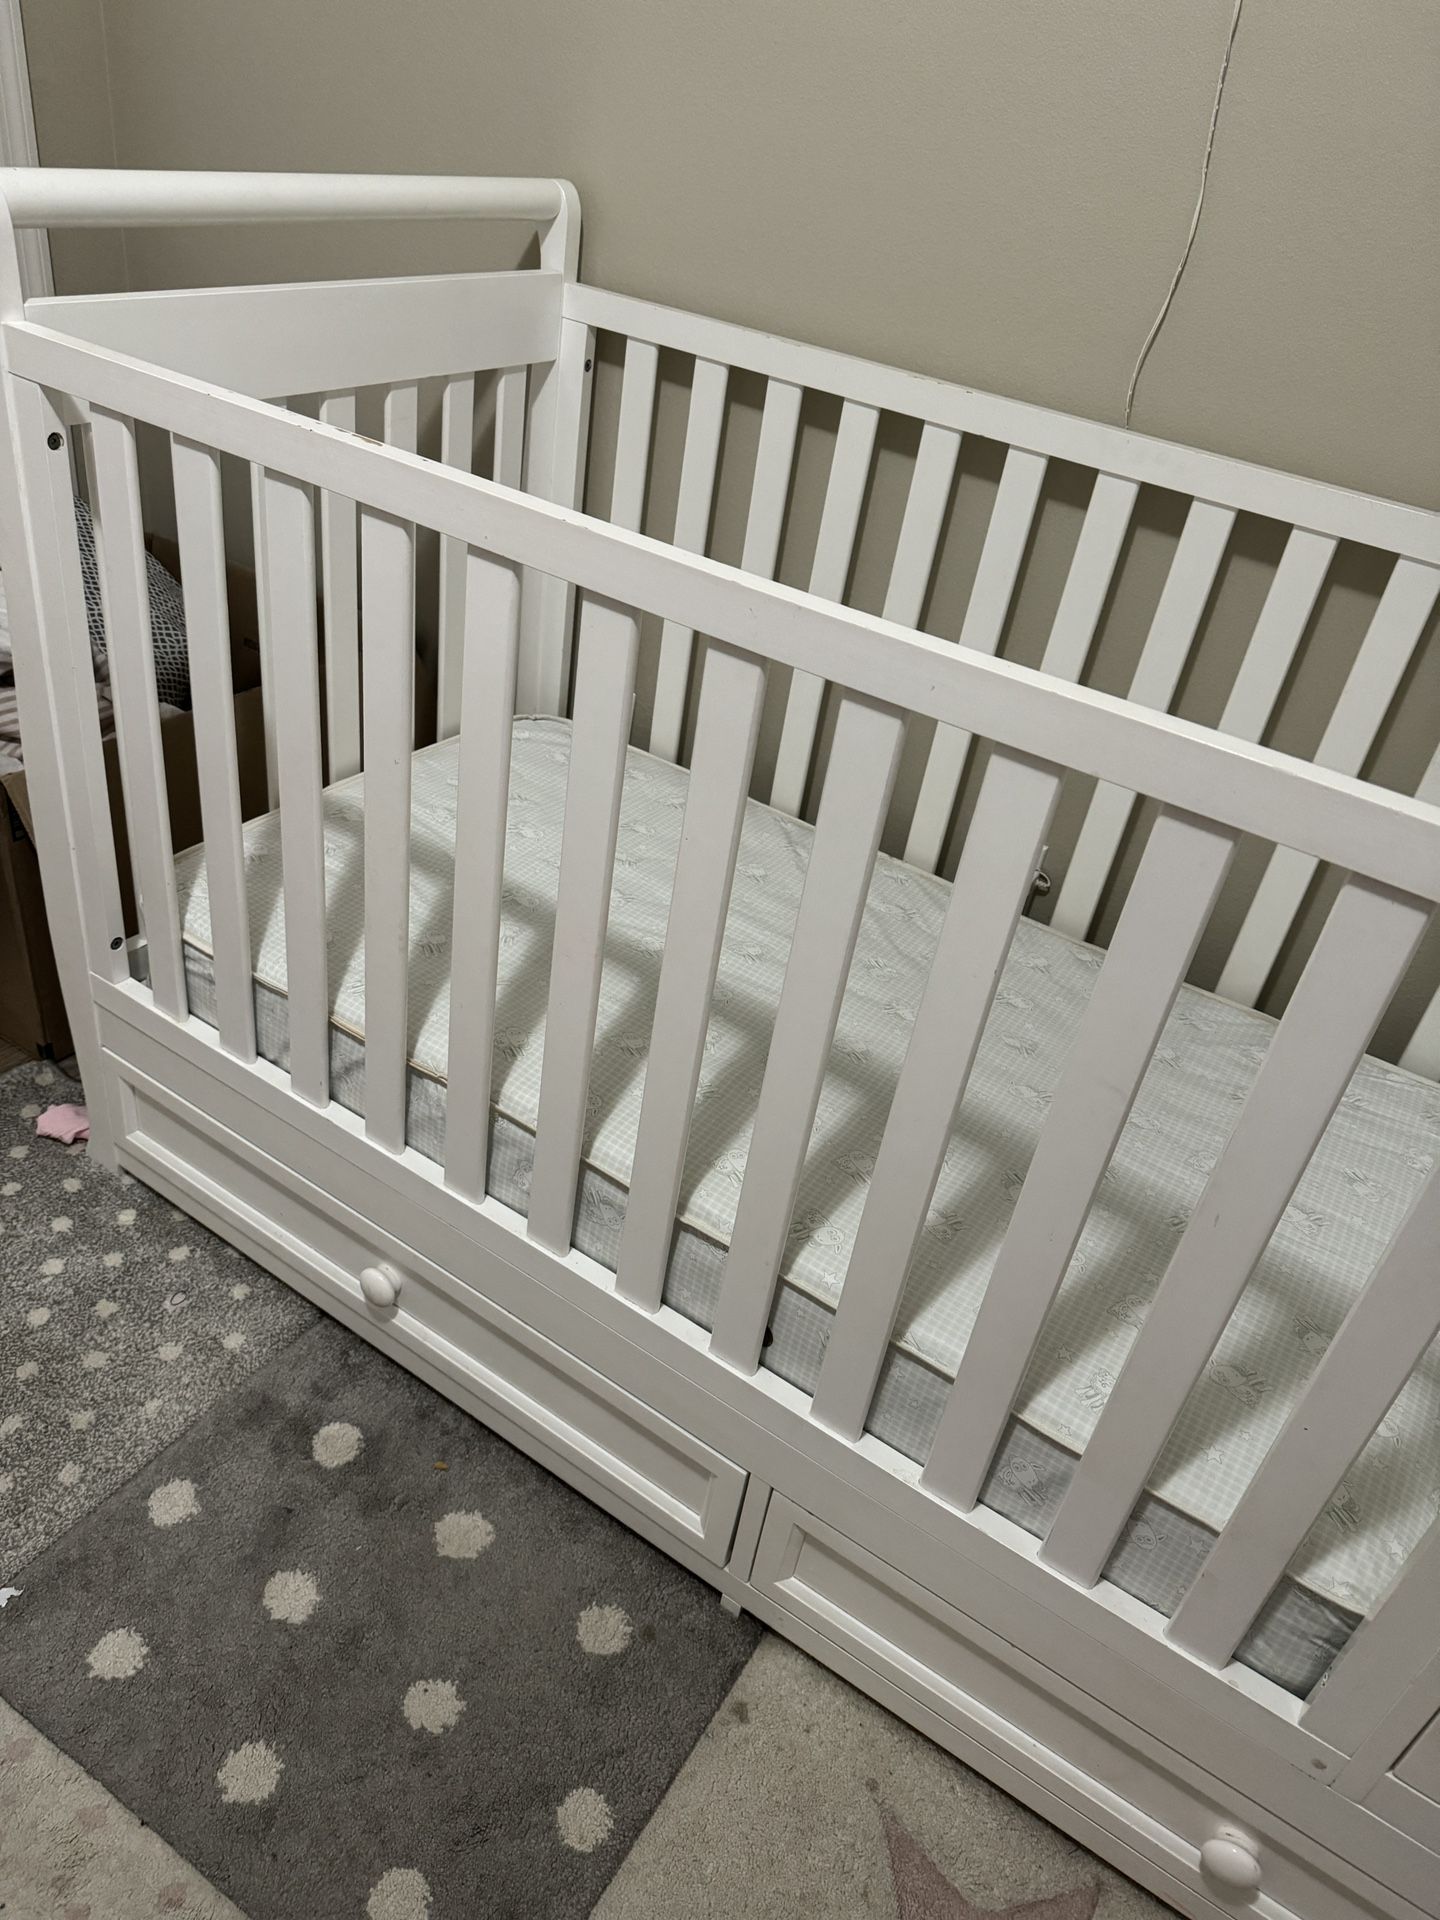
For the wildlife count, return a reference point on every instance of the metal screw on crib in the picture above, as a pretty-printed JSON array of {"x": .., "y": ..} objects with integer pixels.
[{"x": 55, "y": 441}]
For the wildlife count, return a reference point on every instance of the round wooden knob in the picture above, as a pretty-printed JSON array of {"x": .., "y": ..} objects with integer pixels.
[
  {"x": 1229, "y": 1860},
  {"x": 380, "y": 1285}
]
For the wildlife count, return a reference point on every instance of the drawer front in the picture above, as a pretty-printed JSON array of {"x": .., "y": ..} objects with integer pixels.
[
  {"x": 1033, "y": 1719},
  {"x": 1408, "y": 1796},
  {"x": 626, "y": 1456}
]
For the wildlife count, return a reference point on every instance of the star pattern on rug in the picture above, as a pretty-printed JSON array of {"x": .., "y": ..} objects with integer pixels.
[{"x": 922, "y": 1891}]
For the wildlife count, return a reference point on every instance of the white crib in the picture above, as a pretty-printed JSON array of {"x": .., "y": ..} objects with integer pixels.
[{"x": 327, "y": 1044}]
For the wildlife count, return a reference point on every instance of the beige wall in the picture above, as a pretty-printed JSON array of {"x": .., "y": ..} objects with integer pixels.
[{"x": 990, "y": 190}]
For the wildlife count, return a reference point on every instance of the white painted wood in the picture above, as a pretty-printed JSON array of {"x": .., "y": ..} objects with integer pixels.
[
  {"x": 1183, "y": 601},
  {"x": 146, "y": 197},
  {"x": 387, "y": 589},
  {"x": 1177, "y": 763},
  {"x": 1059, "y": 436},
  {"x": 632, "y": 435},
  {"x": 19, "y": 146},
  {"x": 1170, "y": 901},
  {"x": 1370, "y": 1358},
  {"x": 829, "y": 577},
  {"x": 924, "y": 520},
  {"x": 1355, "y": 721},
  {"x": 1367, "y": 943},
  {"x": 604, "y": 699},
  {"x": 200, "y": 534},
  {"x": 1278, "y": 632},
  {"x": 289, "y": 588},
  {"x": 996, "y": 872},
  {"x": 509, "y": 449},
  {"x": 492, "y": 642},
  {"x": 692, "y": 532},
  {"x": 402, "y": 416},
  {"x": 263, "y": 634},
  {"x": 54, "y": 678},
  {"x": 1102, "y": 533},
  {"x": 340, "y": 560},
  {"x": 126, "y": 595},
  {"x": 1422, "y": 1050},
  {"x": 556, "y": 443},
  {"x": 457, "y": 440},
  {"x": 984, "y": 623},
  {"x": 853, "y": 804},
  {"x": 325, "y": 335},
  {"x": 770, "y": 487},
  {"x": 1383, "y": 1659},
  {"x": 732, "y": 692}
]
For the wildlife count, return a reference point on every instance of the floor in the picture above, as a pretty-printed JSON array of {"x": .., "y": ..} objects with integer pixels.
[{"x": 284, "y": 1634}]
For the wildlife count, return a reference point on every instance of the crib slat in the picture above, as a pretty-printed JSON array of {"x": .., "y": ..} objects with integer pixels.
[
  {"x": 732, "y": 692},
  {"x": 509, "y": 462},
  {"x": 492, "y": 642},
  {"x": 604, "y": 700},
  {"x": 829, "y": 574},
  {"x": 340, "y": 560},
  {"x": 200, "y": 535},
  {"x": 1107, "y": 520},
  {"x": 997, "y": 867},
  {"x": 692, "y": 528},
  {"x": 288, "y": 520},
  {"x": 1170, "y": 900},
  {"x": 1395, "y": 631},
  {"x": 1366, "y": 944},
  {"x": 263, "y": 636},
  {"x": 387, "y": 599},
  {"x": 126, "y": 594},
  {"x": 990, "y": 596},
  {"x": 1422, "y": 1050},
  {"x": 1384, "y": 1655},
  {"x": 853, "y": 803},
  {"x": 402, "y": 416},
  {"x": 1186, "y": 594},
  {"x": 1365, "y": 1366},
  {"x": 770, "y": 489},
  {"x": 457, "y": 444},
  {"x": 1278, "y": 632},
  {"x": 920, "y": 530},
  {"x": 632, "y": 436}
]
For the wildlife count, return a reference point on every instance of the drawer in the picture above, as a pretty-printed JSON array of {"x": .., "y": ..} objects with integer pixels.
[
  {"x": 1408, "y": 1795},
  {"x": 630, "y": 1459},
  {"x": 1020, "y": 1721}
]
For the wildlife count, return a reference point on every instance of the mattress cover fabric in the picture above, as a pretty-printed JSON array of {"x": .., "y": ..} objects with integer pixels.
[{"x": 1374, "y": 1156}]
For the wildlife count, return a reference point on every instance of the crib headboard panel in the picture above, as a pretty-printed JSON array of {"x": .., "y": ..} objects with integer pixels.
[{"x": 1277, "y": 608}]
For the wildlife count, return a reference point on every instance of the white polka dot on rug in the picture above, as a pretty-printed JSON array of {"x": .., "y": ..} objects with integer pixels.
[
  {"x": 249, "y": 1774},
  {"x": 112, "y": 1260},
  {"x": 29, "y": 1110},
  {"x": 70, "y": 1474},
  {"x": 12, "y": 1423},
  {"x": 401, "y": 1894},
  {"x": 463, "y": 1536},
  {"x": 432, "y": 1706},
  {"x": 240, "y": 1291},
  {"x": 18, "y": 1153},
  {"x": 50, "y": 1268},
  {"x": 81, "y": 1418},
  {"x": 117, "y": 1655},
  {"x": 37, "y": 1316},
  {"x": 27, "y": 1370},
  {"x": 125, "y": 1217},
  {"x": 94, "y": 1360},
  {"x": 10, "y": 1187},
  {"x": 173, "y": 1502},
  {"x": 336, "y": 1444},
  {"x": 106, "y": 1309},
  {"x": 171, "y": 1349},
  {"x": 584, "y": 1819},
  {"x": 177, "y": 1254},
  {"x": 290, "y": 1598},
  {"x": 72, "y": 1185},
  {"x": 151, "y": 1408},
  {"x": 62, "y": 1223},
  {"x": 604, "y": 1629},
  {"x": 233, "y": 1342}
]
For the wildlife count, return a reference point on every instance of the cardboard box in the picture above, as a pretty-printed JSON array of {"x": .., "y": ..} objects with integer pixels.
[{"x": 32, "y": 1012}]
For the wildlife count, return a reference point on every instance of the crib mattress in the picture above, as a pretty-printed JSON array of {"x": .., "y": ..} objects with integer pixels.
[{"x": 1371, "y": 1163}]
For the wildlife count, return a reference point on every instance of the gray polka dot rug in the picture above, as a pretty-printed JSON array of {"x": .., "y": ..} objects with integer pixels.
[{"x": 286, "y": 1636}]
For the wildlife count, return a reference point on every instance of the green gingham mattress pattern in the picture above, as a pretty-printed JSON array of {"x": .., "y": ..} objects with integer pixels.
[{"x": 1371, "y": 1163}]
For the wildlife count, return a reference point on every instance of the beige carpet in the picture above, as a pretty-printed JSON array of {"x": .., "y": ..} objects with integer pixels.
[
  {"x": 805, "y": 1798},
  {"x": 70, "y": 1851}
]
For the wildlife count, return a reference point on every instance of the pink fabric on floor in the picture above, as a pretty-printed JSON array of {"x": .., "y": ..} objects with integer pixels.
[{"x": 65, "y": 1123}]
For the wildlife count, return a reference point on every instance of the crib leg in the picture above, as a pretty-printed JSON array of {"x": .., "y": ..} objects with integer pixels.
[{"x": 730, "y": 1606}]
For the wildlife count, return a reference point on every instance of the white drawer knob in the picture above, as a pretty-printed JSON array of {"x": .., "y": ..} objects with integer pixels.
[
  {"x": 1229, "y": 1860},
  {"x": 381, "y": 1285}
]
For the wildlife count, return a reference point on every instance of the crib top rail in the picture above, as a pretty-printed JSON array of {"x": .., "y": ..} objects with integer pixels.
[{"x": 142, "y": 197}]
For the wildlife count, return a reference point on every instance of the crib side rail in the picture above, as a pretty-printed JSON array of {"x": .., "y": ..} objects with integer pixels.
[{"x": 1038, "y": 730}]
